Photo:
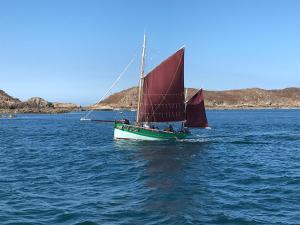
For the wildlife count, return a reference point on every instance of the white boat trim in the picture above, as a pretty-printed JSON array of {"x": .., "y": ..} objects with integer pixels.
[{"x": 125, "y": 135}]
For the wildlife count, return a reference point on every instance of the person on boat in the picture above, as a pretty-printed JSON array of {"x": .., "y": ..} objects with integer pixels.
[
  {"x": 169, "y": 128},
  {"x": 185, "y": 130},
  {"x": 125, "y": 121},
  {"x": 152, "y": 126},
  {"x": 146, "y": 125}
]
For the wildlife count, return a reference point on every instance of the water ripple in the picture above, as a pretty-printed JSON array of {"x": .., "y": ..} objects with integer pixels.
[{"x": 55, "y": 169}]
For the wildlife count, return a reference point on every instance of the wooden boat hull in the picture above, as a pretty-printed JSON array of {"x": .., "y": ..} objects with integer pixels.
[{"x": 131, "y": 132}]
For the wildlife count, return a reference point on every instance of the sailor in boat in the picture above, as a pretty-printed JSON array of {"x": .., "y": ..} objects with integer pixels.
[
  {"x": 169, "y": 128},
  {"x": 152, "y": 126},
  {"x": 147, "y": 126}
]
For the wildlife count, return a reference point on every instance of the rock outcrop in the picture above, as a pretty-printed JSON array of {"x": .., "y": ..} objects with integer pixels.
[
  {"x": 8, "y": 104},
  {"x": 7, "y": 101},
  {"x": 231, "y": 99}
]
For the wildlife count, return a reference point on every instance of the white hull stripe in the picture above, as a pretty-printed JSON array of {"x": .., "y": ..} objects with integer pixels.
[{"x": 120, "y": 134}]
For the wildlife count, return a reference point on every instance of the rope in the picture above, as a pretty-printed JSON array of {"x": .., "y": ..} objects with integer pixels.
[{"x": 111, "y": 87}]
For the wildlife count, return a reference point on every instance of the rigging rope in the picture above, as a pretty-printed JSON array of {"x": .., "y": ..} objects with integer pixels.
[{"x": 111, "y": 87}]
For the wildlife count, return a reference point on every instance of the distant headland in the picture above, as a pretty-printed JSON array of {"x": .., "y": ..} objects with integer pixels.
[{"x": 250, "y": 98}]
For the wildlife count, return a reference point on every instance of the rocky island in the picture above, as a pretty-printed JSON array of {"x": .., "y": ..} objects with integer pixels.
[
  {"x": 9, "y": 105},
  {"x": 250, "y": 98}
]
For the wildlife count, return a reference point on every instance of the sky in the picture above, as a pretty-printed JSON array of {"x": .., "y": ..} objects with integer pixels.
[{"x": 73, "y": 50}]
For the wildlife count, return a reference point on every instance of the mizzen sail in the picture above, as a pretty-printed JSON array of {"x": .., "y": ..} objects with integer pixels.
[
  {"x": 195, "y": 111},
  {"x": 163, "y": 91}
]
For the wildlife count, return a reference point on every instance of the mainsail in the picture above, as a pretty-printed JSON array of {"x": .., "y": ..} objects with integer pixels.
[
  {"x": 195, "y": 111},
  {"x": 163, "y": 91}
]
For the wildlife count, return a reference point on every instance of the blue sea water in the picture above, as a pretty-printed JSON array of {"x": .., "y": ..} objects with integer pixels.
[{"x": 55, "y": 169}]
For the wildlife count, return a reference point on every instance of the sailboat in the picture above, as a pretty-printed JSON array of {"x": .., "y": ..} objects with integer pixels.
[{"x": 161, "y": 99}]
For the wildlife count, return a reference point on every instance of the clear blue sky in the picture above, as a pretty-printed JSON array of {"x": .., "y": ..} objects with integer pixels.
[{"x": 71, "y": 51}]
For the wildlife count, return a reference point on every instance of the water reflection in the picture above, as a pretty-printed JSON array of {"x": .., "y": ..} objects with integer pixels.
[{"x": 168, "y": 167}]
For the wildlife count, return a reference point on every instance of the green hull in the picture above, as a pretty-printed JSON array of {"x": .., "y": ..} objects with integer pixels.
[{"x": 125, "y": 131}]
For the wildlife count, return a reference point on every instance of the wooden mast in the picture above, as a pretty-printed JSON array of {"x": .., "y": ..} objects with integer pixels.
[
  {"x": 185, "y": 96},
  {"x": 185, "y": 102},
  {"x": 141, "y": 80}
]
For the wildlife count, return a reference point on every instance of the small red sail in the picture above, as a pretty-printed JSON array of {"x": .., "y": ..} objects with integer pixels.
[
  {"x": 195, "y": 111},
  {"x": 163, "y": 91}
]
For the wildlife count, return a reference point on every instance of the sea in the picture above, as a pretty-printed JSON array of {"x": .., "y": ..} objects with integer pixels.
[{"x": 56, "y": 169}]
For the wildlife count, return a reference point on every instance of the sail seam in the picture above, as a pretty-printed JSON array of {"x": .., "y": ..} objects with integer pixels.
[{"x": 164, "y": 95}]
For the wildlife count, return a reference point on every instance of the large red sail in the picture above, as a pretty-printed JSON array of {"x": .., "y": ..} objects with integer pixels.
[
  {"x": 163, "y": 91},
  {"x": 195, "y": 111}
]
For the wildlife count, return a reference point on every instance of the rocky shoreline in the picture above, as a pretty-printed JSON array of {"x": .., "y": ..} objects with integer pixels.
[
  {"x": 207, "y": 108},
  {"x": 11, "y": 105},
  {"x": 253, "y": 98}
]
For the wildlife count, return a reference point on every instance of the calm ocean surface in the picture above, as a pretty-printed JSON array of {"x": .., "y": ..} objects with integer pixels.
[{"x": 55, "y": 169}]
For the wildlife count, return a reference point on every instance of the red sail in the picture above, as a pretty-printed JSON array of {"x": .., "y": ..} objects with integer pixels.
[
  {"x": 163, "y": 91},
  {"x": 195, "y": 111}
]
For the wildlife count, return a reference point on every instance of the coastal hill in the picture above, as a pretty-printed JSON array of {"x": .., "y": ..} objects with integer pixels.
[
  {"x": 9, "y": 104},
  {"x": 127, "y": 99},
  {"x": 230, "y": 99}
]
